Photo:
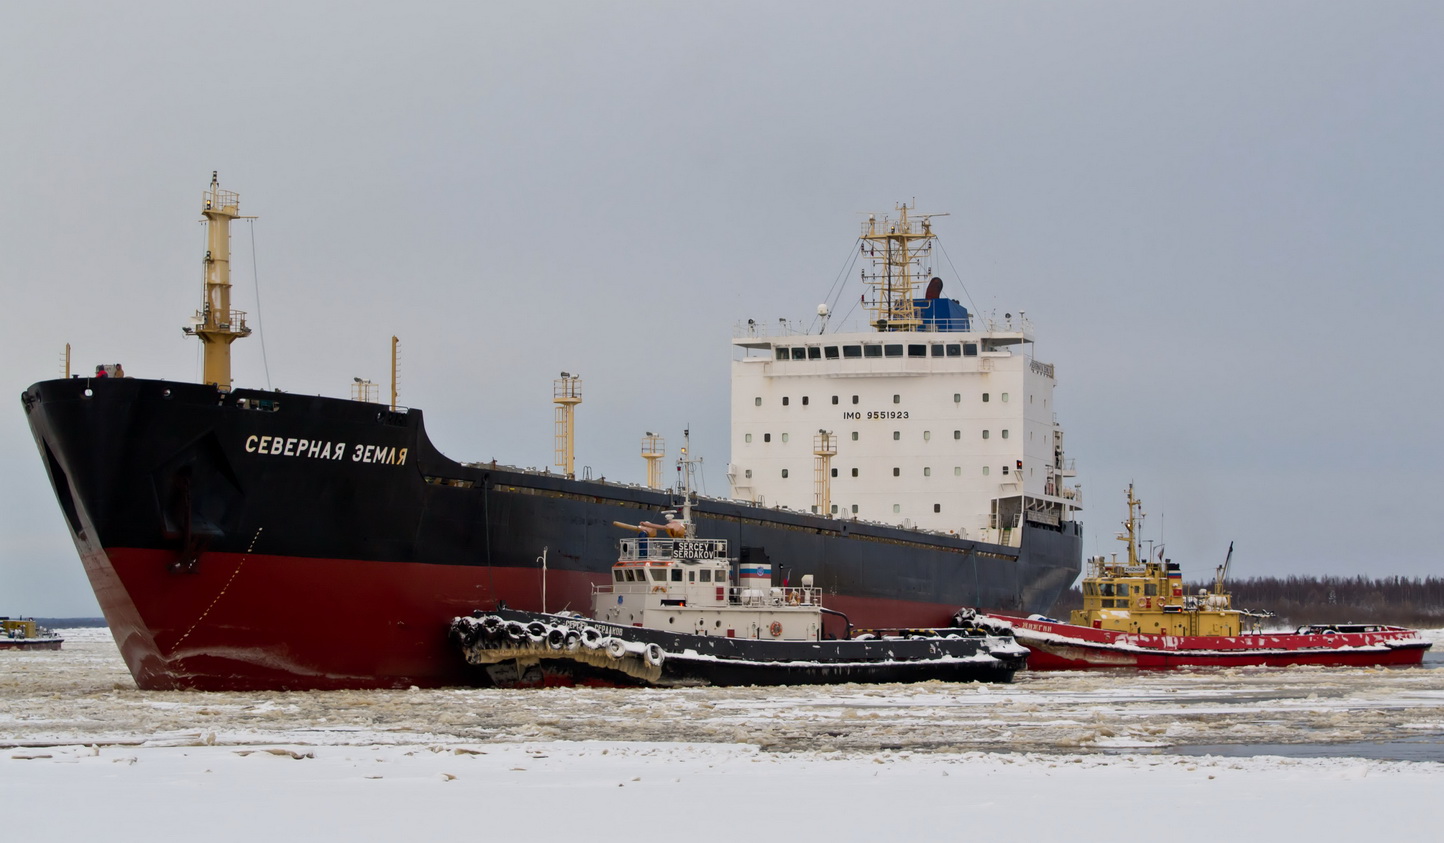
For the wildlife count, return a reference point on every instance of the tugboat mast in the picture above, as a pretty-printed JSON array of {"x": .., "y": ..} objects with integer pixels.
[{"x": 215, "y": 323}]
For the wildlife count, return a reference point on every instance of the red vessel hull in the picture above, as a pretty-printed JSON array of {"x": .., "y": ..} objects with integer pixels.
[
  {"x": 254, "y": 621},
  {"x": 1061, "y": 646}
]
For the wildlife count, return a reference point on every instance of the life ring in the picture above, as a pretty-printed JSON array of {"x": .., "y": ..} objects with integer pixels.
[
  {"x": 775, "y": 629},
  {"x": 657, "y": 588}
]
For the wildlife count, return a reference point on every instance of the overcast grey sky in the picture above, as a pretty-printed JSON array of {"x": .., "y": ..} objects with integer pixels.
[{"x": 1223, "y": 219}]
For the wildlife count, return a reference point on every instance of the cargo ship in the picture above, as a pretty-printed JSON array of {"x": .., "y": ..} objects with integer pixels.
[
  {"x": 1136, "y": 614},
  {"x": 252, "y": 539}
]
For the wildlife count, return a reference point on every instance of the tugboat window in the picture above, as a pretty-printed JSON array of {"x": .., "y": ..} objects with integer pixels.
[
  {"x": 659, "y": 575},
  {"x": 617, "y": 575},
  {"x": 852, "y": 351},
  {"x": 704, "y": 575},
  {"x": 676, "y": 575},
  {"x": 830, "y": 352}
]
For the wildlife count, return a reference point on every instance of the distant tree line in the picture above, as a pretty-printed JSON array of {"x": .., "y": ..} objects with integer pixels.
[{"x": 1295, "y": 601}]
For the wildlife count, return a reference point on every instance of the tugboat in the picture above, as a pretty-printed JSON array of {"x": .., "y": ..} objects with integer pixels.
[
  {"x": 670, "y": 616},
  {"x": 1135, "y": 614},
  {"x": 26, "y": 634}
]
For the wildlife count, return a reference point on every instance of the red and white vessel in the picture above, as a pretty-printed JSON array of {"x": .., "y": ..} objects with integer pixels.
[{"x": 1135, "y": 614}]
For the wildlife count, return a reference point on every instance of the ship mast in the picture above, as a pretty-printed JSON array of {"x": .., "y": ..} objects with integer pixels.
[
  {"x": 896, "y": 249},
  {"x": 215, "y": 323},
  {"x": 1131, "y": 527}
]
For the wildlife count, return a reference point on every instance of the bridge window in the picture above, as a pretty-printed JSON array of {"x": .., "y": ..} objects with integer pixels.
[
  {"x": 704, "y": 575},
  {"x": 658, "y": 574},
  {"x": 830, "y": 352},
  {"x": 617, "y": 576},
  {"x": 799, "y": 353},
  {"x": 782, "y": 354},
  {"x": 872, "y": 351},
  {"x": 676, "y": 575},
  {"x": 970, "y": 349},
  {"x": 850, "y": 351},
  {"x": 814, "y": 353},
  {"x": 917, "y": 351},
  {"x": 955, "y": 350},
  {"x": 893, "y": 350}
]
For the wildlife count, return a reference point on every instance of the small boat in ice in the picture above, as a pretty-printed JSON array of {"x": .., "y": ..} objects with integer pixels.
[
  {"x": 1135, "y": 614},
  {"x": 26, "y": 634},
  {"x": 671, "y": 616}
]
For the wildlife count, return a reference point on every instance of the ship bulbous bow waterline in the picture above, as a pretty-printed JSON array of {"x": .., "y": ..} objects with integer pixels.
[{"x": 248, "y": 539}]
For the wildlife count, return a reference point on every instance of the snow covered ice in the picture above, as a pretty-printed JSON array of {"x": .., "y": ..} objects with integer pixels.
[{"x": 1053, "y": 754}]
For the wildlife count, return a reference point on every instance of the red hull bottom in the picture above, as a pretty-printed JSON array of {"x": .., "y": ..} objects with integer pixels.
[
  {"x": 259, "y": 622},
  {"x": 1060, "y": 646}
]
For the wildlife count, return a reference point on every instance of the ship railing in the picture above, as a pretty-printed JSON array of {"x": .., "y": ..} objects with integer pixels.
[
  {"x": 774, "y": 596},
  {"x": 643, "y": 549}
]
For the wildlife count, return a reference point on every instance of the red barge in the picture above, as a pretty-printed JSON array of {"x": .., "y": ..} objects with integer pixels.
[{"x": 1135, "y": 615}]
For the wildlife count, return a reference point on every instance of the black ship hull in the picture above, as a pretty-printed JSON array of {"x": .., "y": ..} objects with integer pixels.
[{"x": 224, "y": 533}]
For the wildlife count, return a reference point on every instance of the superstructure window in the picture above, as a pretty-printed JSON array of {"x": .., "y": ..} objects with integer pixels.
[
  {"x": 854, "y": 472},
  {"x": 927, "y": 435},
  {"x": 985, "y": 471},
  {"x": 892, "y": 350},
  {"x": 784, "y": 400},
  {"x": 1005, "y": 434},
  {"x": 799, "y": 354},
  {"x": 917, "y": 351},
  {"x": 854, "y": 399},
  {"x": 957, "y": 471},
  {"x": 757, "y": 402},
  {"x": 897, "y": 399},
  {"x": 814, "y": 353},
  {"x": 955, "y": 350},
  {"x": 784, "y": 437},
  {"x": 985, "y": 397},
  {"x": 927, "y": 471},
  {"x": 937, "y": 507},
  {"x": 830, "y": 352},
  {"x": 970, "y": 349},
  {"x": 854, "y": 436},
  {"x": 766, "y": 437},
  {"x": 938, "y": 350},
  {"x": 784, "y": 473},
  {"x": 872, "y": 351},
  {"x": 957, "y": 398},
  {"x": 617, "y": 576},
  {"x": 896, "y": 435},
  {"x": 896, "y": 472},
  {"x": 676, "y": 575},
  {"x": 897, "y": 507},
  {"x": 834, "y": 472},
  {"x": 782, "y": 354},
  {"x": 834, "y": 399},
  {"x": 704, "y": 575},
  {"x": 747, "y": 437},
  {"x": 850, "y": 351},
  {"x": 804, "y": 400},
  {"x": 985, "y": 434},
  {"x": 1005, "y": 398},
  {"x": 957, "y": 434},
  {"x": 854, "y": 509},
  {"x": 747, "y": 473}
]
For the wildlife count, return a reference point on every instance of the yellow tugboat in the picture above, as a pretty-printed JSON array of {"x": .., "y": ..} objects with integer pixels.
[
  {"x": 26, "y": 634},
  {"x": 1135, "y": 614}
]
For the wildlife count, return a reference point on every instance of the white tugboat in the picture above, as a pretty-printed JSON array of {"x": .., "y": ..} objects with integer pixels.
[{"x": 672, "y": 616}]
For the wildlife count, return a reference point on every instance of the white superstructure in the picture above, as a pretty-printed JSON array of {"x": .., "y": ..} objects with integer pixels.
[{"x": 936, "y": 420}]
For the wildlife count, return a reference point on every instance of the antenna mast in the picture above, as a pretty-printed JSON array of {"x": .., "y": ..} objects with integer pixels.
[
  {"x": 896, "y": 249},
  {"x": 654, "y": 448},
  {"x": 215, "y": 323}
]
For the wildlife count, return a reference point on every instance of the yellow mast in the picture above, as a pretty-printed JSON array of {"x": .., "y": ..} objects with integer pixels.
[
  {"x": 1131, "y": 526},
  {"x": 215, "y": 323},
  {"x": 896, "y": 249},
  {"x": 824, "y": 448},
  {"x": 654, "y": 448},
  {"x": 395, "y": 346},
  {"x": 566, "y": 394}
]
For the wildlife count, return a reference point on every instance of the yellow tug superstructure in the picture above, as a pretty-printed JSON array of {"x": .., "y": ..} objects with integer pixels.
[{"x": 1145, "y": 595}]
